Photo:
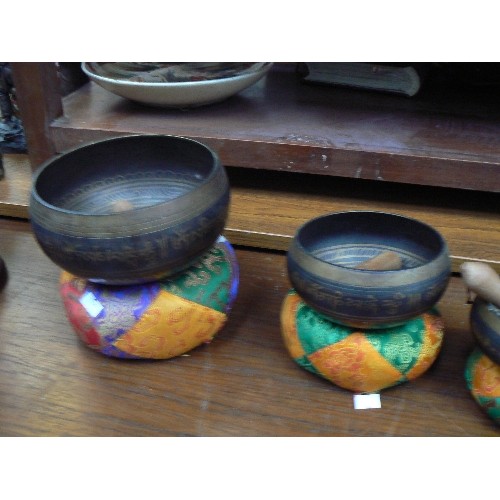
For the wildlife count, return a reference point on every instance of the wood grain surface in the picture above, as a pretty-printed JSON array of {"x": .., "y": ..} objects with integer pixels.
[{"x": 242, "y": 384}]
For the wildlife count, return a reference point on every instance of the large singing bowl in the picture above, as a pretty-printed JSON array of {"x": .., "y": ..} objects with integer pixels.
[
  {"x": 131, "y": 209},
  {"x": 324, "y": 254}
]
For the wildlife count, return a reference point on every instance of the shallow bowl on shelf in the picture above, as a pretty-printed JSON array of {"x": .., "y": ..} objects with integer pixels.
[
  {"x": 180, "y": 85},
  {"x": 130, "y": 209},
  {"x": 324, "y": 254},
  {"x": 485, "y": 325}
]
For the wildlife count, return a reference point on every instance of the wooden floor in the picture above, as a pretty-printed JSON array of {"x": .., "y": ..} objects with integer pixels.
[{"x": 242, "y": 384}]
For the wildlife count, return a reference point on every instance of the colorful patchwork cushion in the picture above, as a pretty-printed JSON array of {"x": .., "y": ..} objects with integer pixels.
[
  {"x": 158, "y": 320},
  {"x": 482, "y": 376},
  {"x": 359, "y": 360}
]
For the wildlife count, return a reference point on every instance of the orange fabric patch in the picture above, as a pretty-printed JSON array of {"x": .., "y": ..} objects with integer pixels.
[
  {"x": 354, "y": 364},
  {"x": 486, "y": 381},
  {"x": 289, "y": 326},
  {"x": 171, "y": 326}
]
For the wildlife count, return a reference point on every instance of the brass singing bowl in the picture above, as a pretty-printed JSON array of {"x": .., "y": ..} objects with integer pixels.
[
  {"x": 130, "y": 209},
  {"x": 485, "y": 324},
  {"x": 325, "y": 252}
]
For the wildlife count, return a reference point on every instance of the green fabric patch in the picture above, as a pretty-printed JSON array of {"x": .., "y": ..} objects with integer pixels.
[
  {"x": 400, "y": 345},
  {"x": 209, "y": 282},
  {"x": 315, "y": 331},
  {"x": 470, "y": 367}
]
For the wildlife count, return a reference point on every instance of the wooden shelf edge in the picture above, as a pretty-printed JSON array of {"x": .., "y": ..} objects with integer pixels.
[
  {"x": 14, "y": 210},
  {"x": 267, "y": 219},
  {"x": 266, "y": 214},
  {"x": 279, "y": 242},
  {"x": 316, "y": 159},
  {"x": 254, "y": 239},
  {"x": 15, "y": 186}
]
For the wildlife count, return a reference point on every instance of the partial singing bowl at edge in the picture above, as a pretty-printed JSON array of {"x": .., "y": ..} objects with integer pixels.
[
  {"x": 485, "y": 324},
  {"x": 129, "y": 209},
  {"x": 326, "y": 250}
]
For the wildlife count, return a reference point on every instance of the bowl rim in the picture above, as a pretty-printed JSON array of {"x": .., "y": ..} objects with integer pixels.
[
  {"x": 202, "y": 83},
  {"x": 296, "y": 242},
  {"x": 46, "y": 164},
  {"x": 490, "y": 310}
]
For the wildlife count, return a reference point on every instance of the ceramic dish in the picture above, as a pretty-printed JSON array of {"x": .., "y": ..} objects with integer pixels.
[
  {"x": 325, "y": 252},
  {"x": 175, "y": 85},
  {"x": 130, "y": 209}
]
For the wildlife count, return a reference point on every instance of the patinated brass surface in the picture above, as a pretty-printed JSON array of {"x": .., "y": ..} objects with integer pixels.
[
  {"x": 129, "y": 209},
  {"x": 325, "y": 252}
]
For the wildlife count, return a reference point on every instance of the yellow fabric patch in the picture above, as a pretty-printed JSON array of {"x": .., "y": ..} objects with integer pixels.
[
  {"x": 78, "y": 283},
  {"x": 170, "y": 326},
  {"x": 289, "y": 326},
  {"x": 486, "y": 381},
  {"x": 65, "y": 277},
  {"x": 354, "y": 364}
]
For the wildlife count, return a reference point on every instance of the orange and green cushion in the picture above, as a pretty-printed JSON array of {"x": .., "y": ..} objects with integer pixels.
[{"x": 361, "y": 361}]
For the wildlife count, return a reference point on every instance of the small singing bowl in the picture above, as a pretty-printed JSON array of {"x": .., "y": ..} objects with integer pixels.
[
  {"x": 325, "y": 252},
  {"x": 485, "y": 325},
  {"x": 130, "y": 209}
]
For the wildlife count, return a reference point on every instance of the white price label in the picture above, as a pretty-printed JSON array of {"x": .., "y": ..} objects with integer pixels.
[
  {"x": 367, "y": 401},
  {"x": 91, "y": 304}
]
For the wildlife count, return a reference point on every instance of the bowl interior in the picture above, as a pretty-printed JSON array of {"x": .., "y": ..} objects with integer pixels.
[
  {"x": 350, "y": 238},
  {"x": 123, "y": 174}
]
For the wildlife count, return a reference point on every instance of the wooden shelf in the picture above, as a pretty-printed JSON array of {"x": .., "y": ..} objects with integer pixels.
[
  {"x": 267, "y": 209},
  {"x": 441, "y": 137}
]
